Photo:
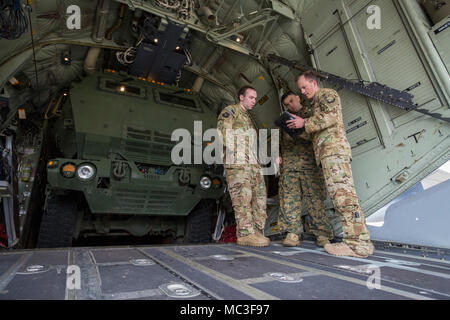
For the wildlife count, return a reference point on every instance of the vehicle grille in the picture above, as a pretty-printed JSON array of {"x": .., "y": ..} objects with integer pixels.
[
  {"x": 145, "y": 201},
  {"x": 147, "y": 146}
]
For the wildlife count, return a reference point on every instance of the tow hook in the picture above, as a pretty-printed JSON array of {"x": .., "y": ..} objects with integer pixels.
[{"x": 183, "y": 176}]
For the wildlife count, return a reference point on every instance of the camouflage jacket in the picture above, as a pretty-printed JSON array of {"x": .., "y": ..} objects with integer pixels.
[
  {"x": 235, "y": 117},
  {"x": 327, "y": 126},
  {"x": 298, "y": 153}
]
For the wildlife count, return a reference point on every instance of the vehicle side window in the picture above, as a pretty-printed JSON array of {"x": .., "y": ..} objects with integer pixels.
[
  {"x": 179, "y": 101},
  {"x": 121, "y": 88}
]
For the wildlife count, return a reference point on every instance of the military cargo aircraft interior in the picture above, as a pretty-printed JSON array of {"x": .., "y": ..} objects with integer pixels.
[{"x": 111, "y": 180}]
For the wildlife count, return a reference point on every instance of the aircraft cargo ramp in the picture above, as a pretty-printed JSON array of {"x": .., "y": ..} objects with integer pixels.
[{"x": 224, "y": 272}]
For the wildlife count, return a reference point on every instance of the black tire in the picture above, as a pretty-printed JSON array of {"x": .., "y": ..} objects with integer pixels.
[
  {"x": 57, "y": 223},
  {"x": 198, "y": 227}
]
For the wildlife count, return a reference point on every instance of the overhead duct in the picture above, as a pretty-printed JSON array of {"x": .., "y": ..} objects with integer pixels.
[
  {"x": 101, "y": 20},
  {"x": 98, "y": 35},
  {"x": 207, "y": 67},
  {"x": 91, "y": 59},
  {"x": 117, "y": 25},
  {"x": 206, "y": 15}
]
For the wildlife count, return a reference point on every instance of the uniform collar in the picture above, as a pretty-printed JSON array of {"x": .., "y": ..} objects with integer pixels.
[
  {"x": 241, "y": 109},
  {"x": 317, "y": 95}
]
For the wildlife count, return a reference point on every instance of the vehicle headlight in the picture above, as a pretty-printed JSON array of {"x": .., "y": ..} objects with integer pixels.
[
  {"x": 86, "y": 171},
  {"x": 205, "y": 182}
]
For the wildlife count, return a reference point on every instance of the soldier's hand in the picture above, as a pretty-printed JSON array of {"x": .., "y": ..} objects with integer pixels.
[{"x": 296, "y": 123}]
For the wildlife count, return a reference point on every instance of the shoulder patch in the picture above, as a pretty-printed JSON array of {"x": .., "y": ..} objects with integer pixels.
[
  {"x": 329, "y": 98},
  {"x": 231, "y": 111},
  {"x": 227, "y": 112}
]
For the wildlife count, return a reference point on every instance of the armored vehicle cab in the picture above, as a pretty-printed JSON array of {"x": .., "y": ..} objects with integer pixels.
[{"x": 115, "y": 173}]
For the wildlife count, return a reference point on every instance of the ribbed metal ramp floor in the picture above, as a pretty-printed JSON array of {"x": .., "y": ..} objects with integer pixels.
[{"x": 223, "y": 272}]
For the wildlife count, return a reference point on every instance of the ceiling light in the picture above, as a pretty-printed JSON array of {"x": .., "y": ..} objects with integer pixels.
[
  {"x": 237, "y": 38},
  {"x": 65, "y": 57}
]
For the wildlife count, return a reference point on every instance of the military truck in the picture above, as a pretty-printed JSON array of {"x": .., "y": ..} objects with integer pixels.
[{"x": 114, "y": 173}]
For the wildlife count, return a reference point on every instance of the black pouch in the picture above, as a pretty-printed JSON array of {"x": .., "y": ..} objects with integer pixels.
[{"x": 281, "y": 122}]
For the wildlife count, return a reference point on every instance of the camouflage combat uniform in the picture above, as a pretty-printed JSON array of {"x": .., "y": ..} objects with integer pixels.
[
  {"x": 333, "y": 153},
  {"x": 301, "y": 187},
  {"x": 245, "y": 180}
]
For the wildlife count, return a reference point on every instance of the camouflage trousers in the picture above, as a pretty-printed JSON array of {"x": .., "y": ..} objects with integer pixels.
[
  {"x": 339, "y": 181},
  {"x": 249, "y": 198},
  {"x": 303, "y": 192}
]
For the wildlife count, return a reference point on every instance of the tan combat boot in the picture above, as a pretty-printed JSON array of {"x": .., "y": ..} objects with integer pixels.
[
  {"x": 251, "y": 240},
  {"x": 291, "y": 240},
  {"x": 341, "y": 250},
  {"x": 259, "y": 234},
  {"x": 321, "y": 241},
  {"x": 365, "y": 249}
]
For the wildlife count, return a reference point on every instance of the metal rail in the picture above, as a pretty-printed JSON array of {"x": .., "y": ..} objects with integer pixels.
[{"x": 374, "y": 90}]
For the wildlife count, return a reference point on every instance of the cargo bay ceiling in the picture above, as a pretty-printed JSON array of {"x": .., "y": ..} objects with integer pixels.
[
  {"x": 228, "y": 45},
  {"x": 262, "y": 27}
]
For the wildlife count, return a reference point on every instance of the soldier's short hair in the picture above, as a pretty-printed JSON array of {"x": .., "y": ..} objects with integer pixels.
[
  {"x": 308, "y": 75},
  {"x": 243, "y": 91},
  {"x": 287, "y": 94}
]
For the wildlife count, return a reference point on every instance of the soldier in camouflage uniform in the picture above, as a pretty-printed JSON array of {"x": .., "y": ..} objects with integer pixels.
[
  {"x": 333, "y": 153},
  {"x": 243, "y": 173},
  {"x": 301, "y": 184}
]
